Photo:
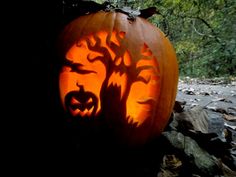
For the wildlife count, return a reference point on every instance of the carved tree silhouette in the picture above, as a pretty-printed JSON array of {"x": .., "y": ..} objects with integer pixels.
[{"x": 119, "y": 65}]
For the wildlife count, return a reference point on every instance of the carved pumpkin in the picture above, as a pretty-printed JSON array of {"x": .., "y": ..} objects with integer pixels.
[{"x": 121, "y": 72}]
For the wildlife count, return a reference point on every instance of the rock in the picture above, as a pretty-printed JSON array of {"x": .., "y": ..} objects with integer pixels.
[
  {"x": 194, "y": 119},
  {"x": 201, "y": 162}
]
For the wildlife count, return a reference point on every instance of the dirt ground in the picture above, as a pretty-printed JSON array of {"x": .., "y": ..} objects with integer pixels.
[
  {"x": 217, "y": 96},
  {"x": 204, "y": 93}
]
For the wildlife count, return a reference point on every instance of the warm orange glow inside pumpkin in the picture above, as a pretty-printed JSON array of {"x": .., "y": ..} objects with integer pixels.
[
  {"x": 98, "y": 62},
  {"x": 79, "y": 73},
  {"x": 143, "y": 97}
]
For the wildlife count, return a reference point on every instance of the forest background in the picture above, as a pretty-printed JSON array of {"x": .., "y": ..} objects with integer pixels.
[{"x": 202, "y": 32}]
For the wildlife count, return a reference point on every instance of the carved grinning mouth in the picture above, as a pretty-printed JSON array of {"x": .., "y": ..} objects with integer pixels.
[{"x": 82, "y": 108}]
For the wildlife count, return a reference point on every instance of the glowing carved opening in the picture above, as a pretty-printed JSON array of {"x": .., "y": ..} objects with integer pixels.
[
  {"x": 144, "y": 90},
  {"x": 81, "y": 80},
  {"x": 101, "y": 62}
]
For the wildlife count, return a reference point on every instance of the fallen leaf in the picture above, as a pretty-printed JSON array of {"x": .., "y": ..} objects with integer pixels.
[
  {"x": 216, "y": 109},
  {"x": 230, "y": 117}
]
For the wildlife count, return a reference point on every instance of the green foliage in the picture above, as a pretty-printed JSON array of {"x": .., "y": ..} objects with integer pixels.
[{"x": 202, "y": 32}]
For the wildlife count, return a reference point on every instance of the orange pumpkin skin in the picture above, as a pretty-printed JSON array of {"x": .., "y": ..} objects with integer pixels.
[{"x": 123, "y": 71}]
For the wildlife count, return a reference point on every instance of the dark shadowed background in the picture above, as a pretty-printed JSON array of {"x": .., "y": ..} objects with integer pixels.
[{"x": 39, "y": 140}]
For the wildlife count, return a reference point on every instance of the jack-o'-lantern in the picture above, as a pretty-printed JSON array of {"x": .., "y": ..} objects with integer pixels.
[{"x": 124, "y": 72}]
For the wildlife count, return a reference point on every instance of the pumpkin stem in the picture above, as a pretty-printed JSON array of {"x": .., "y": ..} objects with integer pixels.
[{"x": 75, "y": 8}]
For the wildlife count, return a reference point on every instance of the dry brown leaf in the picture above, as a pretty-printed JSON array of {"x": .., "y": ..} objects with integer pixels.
[{"x": 230, "y": 117}]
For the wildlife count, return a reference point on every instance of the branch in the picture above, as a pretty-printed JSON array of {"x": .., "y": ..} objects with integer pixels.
[
  {"x": 212, "y": 30},
  {"x": 205, "y": 23},
  {"x": 201, "y": 34}
]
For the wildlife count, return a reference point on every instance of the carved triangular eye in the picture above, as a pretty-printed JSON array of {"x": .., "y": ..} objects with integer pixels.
[{"x": 146, "y": 51}]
